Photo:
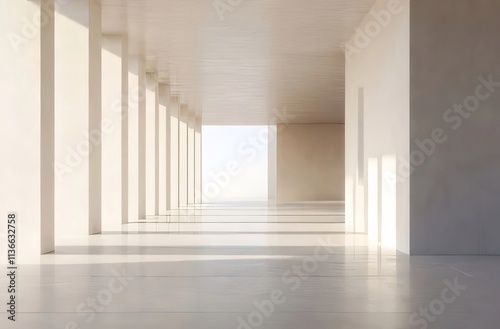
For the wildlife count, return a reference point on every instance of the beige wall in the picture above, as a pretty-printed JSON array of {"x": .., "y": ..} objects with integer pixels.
[
  {"x": 377, "y": 125},
  {"x": 310, "y": 165}
]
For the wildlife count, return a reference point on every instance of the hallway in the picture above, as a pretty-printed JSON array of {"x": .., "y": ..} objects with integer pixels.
[
  {"x": 232, "y": 164},
  {"x": 187, "y": 270}
]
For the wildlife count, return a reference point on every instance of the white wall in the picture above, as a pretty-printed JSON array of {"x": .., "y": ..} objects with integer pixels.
[
  {"x": 234, "y": 163},
  {"x": 377, "y": 60}
]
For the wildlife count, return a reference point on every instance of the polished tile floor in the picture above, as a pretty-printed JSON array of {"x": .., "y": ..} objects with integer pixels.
[{"x": 251, "y": 266}]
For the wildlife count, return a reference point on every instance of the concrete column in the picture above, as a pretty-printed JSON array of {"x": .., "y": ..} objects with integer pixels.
[
  {"x": 191, "y": 159},
  {"x": 272, "y": 158},
  {"x": 79, "y": 128},
  {"x": 157, "y": 152},
  {"x": 164, "y": 149},
  {"x": 174, "y": 152},
  {"x": 137, "y": 137},
  {"x": 114, "y": 145},
  {"x": 197, "y": 162},
  {"x": 27, "y": 135},
  {"x": 142, "y": 138},
  {"x": 151, "y": 141},
  {"x": 125, "y": 134},
  {"x": 136, "y": 103},
  {"x": 183, "y": 156}
]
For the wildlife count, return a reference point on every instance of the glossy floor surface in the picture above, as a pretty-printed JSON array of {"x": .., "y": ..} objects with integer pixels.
[{"x": 250, "y": 266}]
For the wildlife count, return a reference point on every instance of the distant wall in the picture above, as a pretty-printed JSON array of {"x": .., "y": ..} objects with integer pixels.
[{"x": 310, "y": 162}]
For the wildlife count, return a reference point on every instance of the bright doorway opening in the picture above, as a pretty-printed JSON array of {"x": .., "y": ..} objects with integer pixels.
[{"x": 235, "y": 163}]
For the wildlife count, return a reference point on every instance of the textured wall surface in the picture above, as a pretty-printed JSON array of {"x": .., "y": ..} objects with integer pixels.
[
  {"x": 310, "y": 162},
  {"x": 455, "y": 189}
]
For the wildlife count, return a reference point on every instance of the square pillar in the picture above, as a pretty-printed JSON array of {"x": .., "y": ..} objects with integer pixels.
[
  {"x": 136, "y": 138},
  {"x": 164, "y": 149},
  {"x": 114, "y": 145},
  {"x": 191, "y": 159},
  {"x": 183, "y": 156},
  {"x": 79, "y": 130},
  {"x": 272, "y": 156},
  {"x": 174, "y": 111},
  {"x": 151, "y": 144},
  {"x": 142, "y": 137},
  {"x": 197, "y": 162},
  {"x": 27, "y": 135}
]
